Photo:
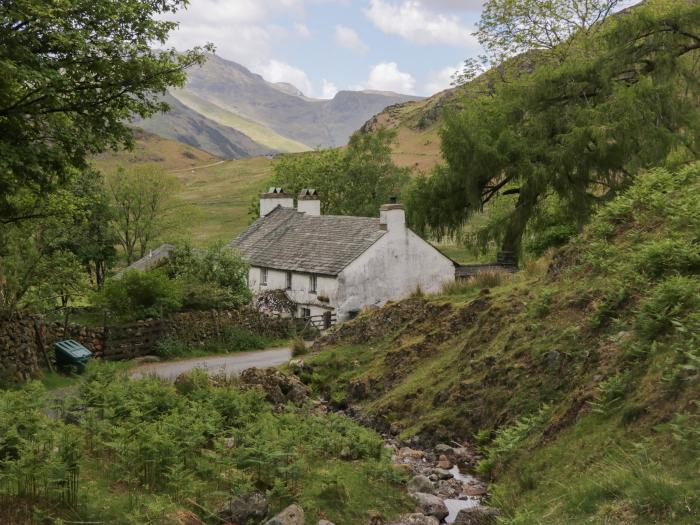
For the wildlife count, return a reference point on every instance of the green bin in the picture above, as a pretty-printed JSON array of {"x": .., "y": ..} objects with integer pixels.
[{"x": 71, "y": 355}]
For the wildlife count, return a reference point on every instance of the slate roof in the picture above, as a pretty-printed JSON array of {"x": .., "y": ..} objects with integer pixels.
[
  {"x": 153, "y": 259},
  {"x": 286, "y": 239}
]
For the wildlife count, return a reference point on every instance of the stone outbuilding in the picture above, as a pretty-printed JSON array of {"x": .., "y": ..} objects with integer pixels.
[{"x": 337, "y": 265}]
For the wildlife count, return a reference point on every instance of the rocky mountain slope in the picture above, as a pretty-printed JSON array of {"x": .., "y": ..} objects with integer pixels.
[{"x": 231, "y": 112}]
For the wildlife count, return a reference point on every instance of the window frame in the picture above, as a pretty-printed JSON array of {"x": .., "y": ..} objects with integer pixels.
[
  {"x": 313, "y": 283},
  {"x": 263, "y": 276},
  {"x": 288, "y": 281}
]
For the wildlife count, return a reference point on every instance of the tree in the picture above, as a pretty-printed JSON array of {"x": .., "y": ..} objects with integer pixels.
[
  {"x": 144, "y": 201},
  {"x": 351, "y": 181},
  {"x": 92, "y": 238},
  {"x": 137, "y": 295},
  {"x": 508, "y": 28},
  {"x": 72, "y": 74},
  {"x": 212, "y": 278},
  {"x": 580, "y": 129}
]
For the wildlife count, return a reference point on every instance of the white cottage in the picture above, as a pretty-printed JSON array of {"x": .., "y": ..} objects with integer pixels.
[{"x": 337, "y": 264}]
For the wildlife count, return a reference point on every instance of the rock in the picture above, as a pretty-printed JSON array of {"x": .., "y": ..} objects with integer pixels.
[
  {"x": 441, "y": 448},
  {"x": 325, "y": 522},
  {"x": 475, "y": 490},
  {"x": 346, "y": 454},
  {"x": 441, "y": 473},
  {"x": 292, "y": 515},
  {"x": 420, "y": 484},
  {"x": 279, "y": 388},
  {"x": 477, "y": 516},
  {"x": 249, "y": 508},
  {"x": 416, "y": 519},
  {"x": 444, "y": 463},
  {"x": 430, "y": 505},
  {"x": 409, "y": 453}
]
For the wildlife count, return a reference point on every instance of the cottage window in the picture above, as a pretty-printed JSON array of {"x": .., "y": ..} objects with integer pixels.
[
  {"x": 263, "y": 276},
  {"x": 313, "y": 281},
  {"x": 306, "y": 313},
  {"x": 289, "y": 280}
]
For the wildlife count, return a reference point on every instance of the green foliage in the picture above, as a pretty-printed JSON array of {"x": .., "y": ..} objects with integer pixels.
[
  {"x": 672, "y": 299},
  {"x": 214, "y": 278},
  {"x": 352, "y": 181},
  {"x": 508, "y": 440},
  {"x": 144, "y": 206},
  {"x": 73, "y": 74},
  {"x": 145, "y": 448},
  {"x": 299, "y": 347},
  {"x": 136, "y": 295},
  {"x": 576, "y": 127}
]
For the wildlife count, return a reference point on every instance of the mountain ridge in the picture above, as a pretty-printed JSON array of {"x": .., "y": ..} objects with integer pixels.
[{"x": 246, "y": 115}]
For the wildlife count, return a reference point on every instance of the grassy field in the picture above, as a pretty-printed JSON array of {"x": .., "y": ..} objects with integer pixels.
[{"x": 221, "y": 192}]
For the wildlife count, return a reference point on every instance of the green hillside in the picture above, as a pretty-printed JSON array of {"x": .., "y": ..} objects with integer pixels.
[
  {"x": 257, "y": 132},
  {"x": 578, "y": 377}
]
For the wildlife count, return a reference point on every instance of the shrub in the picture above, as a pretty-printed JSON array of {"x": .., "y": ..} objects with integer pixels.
[
  {"x": 213, "y": 278},
  {"x": 667, "y": 255},
  {"x": 298, "y": 347},
  {"x": 137, "y": 295},
  {"x": 236, "y": 339}
]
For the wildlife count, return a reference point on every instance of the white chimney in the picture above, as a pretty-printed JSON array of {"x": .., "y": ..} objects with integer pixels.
[
  {"x": 273, "y": 198},
  {"x": 308, "y": 202},
  {"x": 392, "y": 217}
]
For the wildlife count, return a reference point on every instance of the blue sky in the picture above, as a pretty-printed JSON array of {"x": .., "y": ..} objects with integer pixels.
[{"x": 321, "y": 46}]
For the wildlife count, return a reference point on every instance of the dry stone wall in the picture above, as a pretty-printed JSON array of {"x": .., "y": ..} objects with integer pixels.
[{"x": 24, "y": 340}]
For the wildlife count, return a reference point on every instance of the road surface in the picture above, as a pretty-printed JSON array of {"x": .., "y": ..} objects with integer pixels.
[{"x": 228, "y": 364}]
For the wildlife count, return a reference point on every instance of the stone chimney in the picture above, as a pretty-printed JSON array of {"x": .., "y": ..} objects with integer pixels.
[
  {"x": 392, "y": 217},
  {"x": 273, "y": 198},
  {"x": 309, "y": 202}
]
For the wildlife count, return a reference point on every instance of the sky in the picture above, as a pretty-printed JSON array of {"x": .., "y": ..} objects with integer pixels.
[{"x": 322, "y": 46}]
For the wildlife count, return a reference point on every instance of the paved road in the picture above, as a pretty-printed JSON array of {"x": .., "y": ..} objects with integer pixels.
[{"x": 228, "y": 364}]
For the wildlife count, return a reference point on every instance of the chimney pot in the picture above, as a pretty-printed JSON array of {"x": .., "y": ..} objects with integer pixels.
[
  {"x": 309, "y": 202},
  {"x": 273, "y": 198}
]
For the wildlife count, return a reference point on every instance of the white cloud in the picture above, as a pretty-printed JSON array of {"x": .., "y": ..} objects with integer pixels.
[
  {"x": 278, "y": 71},
  {"x": 328, "y": 89},
  {"x": 347, "y": 37},
  {"x": 386, "y": 76},
  {"x": 440, "y": 80},
  {"x": 412, "y": 20},
  {"x": 302, "y": 30}
]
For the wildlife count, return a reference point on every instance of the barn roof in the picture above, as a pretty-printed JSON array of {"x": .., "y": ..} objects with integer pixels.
[{"x": 286, "y": 239}]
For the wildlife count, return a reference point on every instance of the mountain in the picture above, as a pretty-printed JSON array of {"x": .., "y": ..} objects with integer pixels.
[{"x": 231, "y": 112}]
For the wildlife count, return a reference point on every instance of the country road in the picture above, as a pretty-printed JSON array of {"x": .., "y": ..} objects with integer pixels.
[{"x": 228, "y": 364}]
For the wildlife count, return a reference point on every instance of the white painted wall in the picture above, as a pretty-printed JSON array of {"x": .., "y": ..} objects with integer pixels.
[
  {"x": 300, "y": 293},
  {"x": 393, "y": 268}
]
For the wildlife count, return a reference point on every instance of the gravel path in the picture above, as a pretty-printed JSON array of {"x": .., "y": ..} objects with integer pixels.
[{"x": 228, "y": 364}]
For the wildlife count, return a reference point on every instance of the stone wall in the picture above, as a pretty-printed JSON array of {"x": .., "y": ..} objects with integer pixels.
[{"x": 22, "y": 338}]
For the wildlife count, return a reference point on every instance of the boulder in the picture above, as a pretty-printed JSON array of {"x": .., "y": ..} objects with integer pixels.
[
  {"x": 279, "y": 388},
  {"x": 420, "y": 484},
  {"x": 292, "y": 515},
  {"x": 441, "y": 473},
  {"x": 249, "y": 508},
  {"x": 477, "y": 516},
  {"x": 444, "y": 462},
  {"x": 430, "y": 505},
  {"x": 441, "y": 448},
  {"x": 325, "y": 522},
  {"x": 416, "y": 519}
]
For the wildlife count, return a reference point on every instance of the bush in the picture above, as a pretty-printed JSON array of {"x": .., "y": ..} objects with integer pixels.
[
  {"x": 479, "y": 281},
  {"x": 137, "y": 295},
  {"x": 214, "y": 278},
  {"x": 298, "y": 347}
]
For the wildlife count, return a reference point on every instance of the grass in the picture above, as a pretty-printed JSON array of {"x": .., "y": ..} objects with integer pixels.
[{"x": 604, "y": 333}]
